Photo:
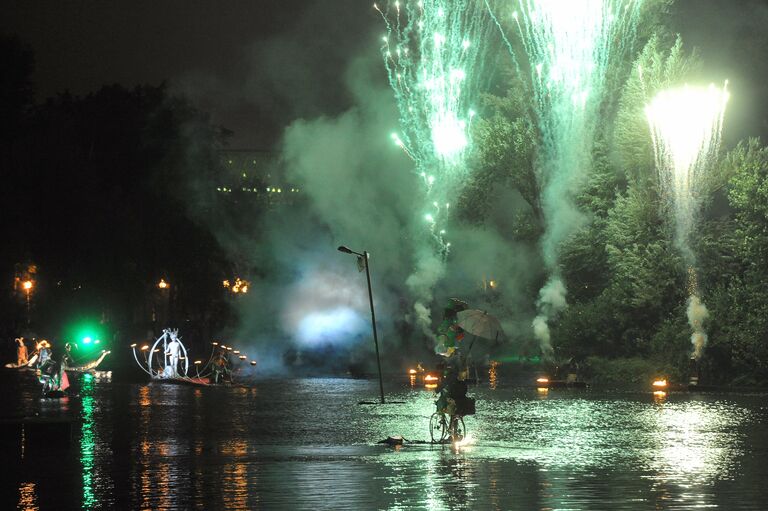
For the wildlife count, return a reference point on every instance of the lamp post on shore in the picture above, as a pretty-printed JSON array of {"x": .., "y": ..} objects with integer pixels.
[{"x": 364, "y": 256}]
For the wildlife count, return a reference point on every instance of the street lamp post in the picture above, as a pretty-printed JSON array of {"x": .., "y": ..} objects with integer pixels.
[{"x": 364, "y": 256}]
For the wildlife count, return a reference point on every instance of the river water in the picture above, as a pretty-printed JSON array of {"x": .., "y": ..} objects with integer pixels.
[{"x": 308, "y": 444}]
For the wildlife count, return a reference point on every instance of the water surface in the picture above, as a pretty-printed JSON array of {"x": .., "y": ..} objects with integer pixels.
[{"x": 307, "y": 444}]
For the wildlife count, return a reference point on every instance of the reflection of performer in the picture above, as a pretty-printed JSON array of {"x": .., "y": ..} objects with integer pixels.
[{"x": 21, "y": 352}]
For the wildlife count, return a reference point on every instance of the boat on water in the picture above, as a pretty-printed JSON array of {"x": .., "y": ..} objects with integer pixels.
[
  {"x": 166, "y": 361},
  {"x": 87, "y": 367}
]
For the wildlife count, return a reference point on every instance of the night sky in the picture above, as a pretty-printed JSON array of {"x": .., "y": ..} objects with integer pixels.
[{"x": 257, "y": 65}]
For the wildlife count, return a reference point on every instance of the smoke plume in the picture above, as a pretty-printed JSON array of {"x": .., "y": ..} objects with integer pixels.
[
  {"x": 697, "y": 314},
  {"x": 551, "y": 301}
]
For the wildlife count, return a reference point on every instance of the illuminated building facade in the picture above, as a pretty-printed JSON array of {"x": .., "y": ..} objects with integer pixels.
[{"x": 254, "y": 176}]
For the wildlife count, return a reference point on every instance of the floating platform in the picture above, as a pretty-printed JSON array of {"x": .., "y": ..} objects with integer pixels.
[{"x": 195, "y": 382}]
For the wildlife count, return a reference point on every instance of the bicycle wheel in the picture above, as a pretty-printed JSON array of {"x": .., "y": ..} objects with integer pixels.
[
  {"x": 457, "y": 429},
  {"x": 438, "y": 429}
]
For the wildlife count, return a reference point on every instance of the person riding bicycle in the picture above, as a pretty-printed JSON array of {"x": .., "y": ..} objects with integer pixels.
[{"x": 453, "y": 387}]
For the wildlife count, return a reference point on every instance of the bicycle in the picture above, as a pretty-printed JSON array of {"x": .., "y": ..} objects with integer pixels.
[{"x": 442, "y": 426}]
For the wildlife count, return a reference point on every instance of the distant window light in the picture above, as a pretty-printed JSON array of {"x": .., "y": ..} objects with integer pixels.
[
  {"x": 245, "y": 175},
  {"x": 230, "y": 162}
]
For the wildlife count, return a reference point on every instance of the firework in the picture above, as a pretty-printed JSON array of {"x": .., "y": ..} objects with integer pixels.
[
  {"x": 569, "y": 46},
  {"x": 433, "y": 52},
  {"x": 686, "y": 126}
]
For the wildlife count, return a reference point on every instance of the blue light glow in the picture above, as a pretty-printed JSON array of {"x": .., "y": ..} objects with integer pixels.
[{"x": 336, "y": 326}]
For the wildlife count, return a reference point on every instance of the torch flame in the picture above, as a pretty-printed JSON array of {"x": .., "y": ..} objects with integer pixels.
[{"x": 660, "y": 383}]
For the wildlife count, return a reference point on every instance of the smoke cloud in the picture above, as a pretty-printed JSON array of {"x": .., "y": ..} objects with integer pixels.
[
  {"x": 551, "y": 301},
  {"x": 697, "y": 314}
]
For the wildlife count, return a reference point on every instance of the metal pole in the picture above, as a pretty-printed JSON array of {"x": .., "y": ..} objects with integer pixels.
[
  {"x": 28, "y": 312},
  {"x": 373, "y": 323}
]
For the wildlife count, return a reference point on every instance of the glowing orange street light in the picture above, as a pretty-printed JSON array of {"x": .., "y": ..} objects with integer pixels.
[
  {"x": 163, "y": 284},
  {"x": 27, "y": 285}
]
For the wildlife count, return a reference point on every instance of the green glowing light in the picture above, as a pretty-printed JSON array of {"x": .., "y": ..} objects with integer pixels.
[
  {"x": 88, "y": 334},
  {"x": 570, "y": 46}
]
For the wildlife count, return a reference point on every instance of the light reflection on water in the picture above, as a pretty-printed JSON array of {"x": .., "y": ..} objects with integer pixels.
[{"x": 307, "y": 444}]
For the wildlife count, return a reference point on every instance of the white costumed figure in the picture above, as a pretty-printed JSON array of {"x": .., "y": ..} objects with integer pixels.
[{"x": 172, "y": 351}]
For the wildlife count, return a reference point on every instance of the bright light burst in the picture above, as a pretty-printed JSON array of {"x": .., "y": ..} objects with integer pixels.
[
  {"x": 433, "y": 55},
  {"x": 686, "y": 125}
]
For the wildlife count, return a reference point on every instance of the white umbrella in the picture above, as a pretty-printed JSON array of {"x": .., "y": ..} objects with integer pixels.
[{"x": 479, "y": 323}]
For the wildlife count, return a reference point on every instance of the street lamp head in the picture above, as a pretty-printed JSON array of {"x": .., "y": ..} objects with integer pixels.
[{"x": 344, "y": 249}]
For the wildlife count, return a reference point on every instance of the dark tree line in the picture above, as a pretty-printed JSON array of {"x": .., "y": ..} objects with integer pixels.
[{"x": 106, "y": 194}]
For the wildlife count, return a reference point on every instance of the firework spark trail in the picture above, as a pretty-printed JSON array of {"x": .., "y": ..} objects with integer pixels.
[
  {"x": 433, "y": 52},
  {"x": 686, "y": 126},
  {"x": 569, "y": 46}
]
